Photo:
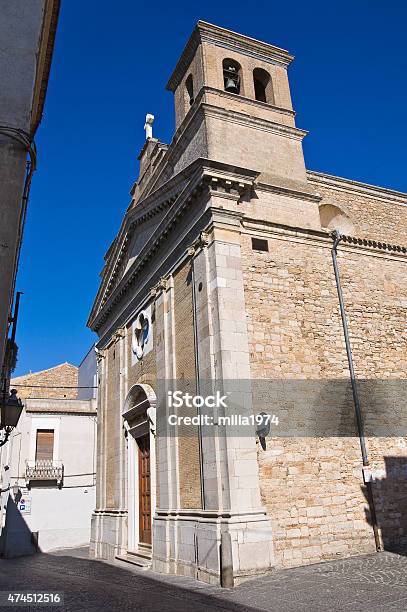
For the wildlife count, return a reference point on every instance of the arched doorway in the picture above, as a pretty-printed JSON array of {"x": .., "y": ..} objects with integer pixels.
[{"x": 139, "y": 420}]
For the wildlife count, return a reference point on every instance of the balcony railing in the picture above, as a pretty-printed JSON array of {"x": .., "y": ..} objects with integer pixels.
[{"x": 44, "y": 469}]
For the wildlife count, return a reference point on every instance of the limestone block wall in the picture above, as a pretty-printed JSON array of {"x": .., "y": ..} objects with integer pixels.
[
  {"x": 264, "y": 147},
  {"x": 375, "y": 291},
  {"x": 292, "y": 311},
  {"x": 313, "y": 487},
  {"x": 281, "y": 208}
]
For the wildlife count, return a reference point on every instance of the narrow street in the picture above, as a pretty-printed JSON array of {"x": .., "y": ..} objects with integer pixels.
[{"x": 373, "y": 582}]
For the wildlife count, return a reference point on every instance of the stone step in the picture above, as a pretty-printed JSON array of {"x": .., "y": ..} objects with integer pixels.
[
  {"x": 140, "y": 558},
  {"x": 142, "y": 551}
]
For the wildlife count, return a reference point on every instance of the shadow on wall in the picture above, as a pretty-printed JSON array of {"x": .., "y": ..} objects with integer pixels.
[
  {"x": 17, "y": 539},
  {"x": 390, "y": 497}
]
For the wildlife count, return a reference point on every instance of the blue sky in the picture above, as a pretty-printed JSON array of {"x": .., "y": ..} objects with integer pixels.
[{"x": 111, "y": 63}]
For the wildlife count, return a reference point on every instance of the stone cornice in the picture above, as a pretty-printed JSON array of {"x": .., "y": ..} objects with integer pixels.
[
  {"x": 286, "y": 190},
  {"x": 60, "y": 406},
  {"x": 349, "y": 185},
  {"x": 227, "y": 39},
  {"x": 251, "y": 101},
  {"x": 230, "y": 187},
  {"x": 265, "y": 125},
  {"x": 256, "y": 225},
  {"x": 375, "y": 244}
]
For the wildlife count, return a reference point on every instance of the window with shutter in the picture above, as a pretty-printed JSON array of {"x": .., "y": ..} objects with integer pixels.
[{"x": 45, "y": 444}]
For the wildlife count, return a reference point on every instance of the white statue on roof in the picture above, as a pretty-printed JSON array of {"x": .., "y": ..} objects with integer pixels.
[{"x": 148, "y": 126}]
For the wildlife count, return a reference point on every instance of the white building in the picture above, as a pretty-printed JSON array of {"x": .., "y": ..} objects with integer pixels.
[{"x": 48, "y": 476}]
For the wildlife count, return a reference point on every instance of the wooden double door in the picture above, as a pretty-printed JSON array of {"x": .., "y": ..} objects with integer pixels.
[{"x": 144, "y": 487}]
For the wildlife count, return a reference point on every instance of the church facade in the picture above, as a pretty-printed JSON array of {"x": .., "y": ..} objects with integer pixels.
[{"x": 222, "y": 273}]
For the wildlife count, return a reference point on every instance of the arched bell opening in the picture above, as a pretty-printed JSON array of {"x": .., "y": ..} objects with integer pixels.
[
  {"x": 232, "y": 76},
  {"x": 189, "y": 92},
  {"x": 263, "y": 88}
]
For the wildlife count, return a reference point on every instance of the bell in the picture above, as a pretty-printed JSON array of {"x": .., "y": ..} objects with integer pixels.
[{"x": 231, "y": 85}]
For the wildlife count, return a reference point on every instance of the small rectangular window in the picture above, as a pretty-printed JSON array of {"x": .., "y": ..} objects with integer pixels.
[
  {"x": 45, "y": 444},
  {"x": 260, "y": 244}
]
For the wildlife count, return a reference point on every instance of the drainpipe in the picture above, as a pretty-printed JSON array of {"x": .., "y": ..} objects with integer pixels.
[
  {"x": 192, "y": 253},
  {"x": 198, "y": 381},
  {"x": 337, "y": 237}
]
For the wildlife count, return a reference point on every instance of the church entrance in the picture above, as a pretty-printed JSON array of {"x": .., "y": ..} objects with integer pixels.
[
  {"x": 144, "y": 487},
  {"x": 139, "y": 420}
]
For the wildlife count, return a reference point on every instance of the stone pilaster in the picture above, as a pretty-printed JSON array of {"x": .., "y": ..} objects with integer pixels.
[
  {"x": 229, "y": 462},
  {"x": 100, "y": 460},
  {"x": 165, "y": 535}
]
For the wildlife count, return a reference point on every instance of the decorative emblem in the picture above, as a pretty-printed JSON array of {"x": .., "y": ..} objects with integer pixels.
[{"x": 141, "y": 334}]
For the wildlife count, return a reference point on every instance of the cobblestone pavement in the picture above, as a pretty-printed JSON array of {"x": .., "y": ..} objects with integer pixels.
[{"x": 373, "y": 583}]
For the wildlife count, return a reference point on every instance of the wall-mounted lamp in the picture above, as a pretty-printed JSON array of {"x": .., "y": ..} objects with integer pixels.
[
  {"x": 263, "y": 428},
  {"x": 11, "y": 409}
]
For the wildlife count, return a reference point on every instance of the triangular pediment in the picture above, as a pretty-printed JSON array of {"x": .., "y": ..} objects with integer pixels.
[
  {"x": 151, "y": 221},
  {"x": 140, "y": 222}
]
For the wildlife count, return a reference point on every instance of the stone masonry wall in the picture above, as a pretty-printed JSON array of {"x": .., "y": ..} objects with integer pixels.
[
  {"x": 312, "y": 487},
  {"x": 375, "y": 292}
]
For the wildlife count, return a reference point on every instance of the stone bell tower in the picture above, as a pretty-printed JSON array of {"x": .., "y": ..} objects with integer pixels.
[{"x": 233, "y": 105}]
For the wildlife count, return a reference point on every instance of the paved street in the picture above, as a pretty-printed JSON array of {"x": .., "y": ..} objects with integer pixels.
[{"x": 374, "y": 582}]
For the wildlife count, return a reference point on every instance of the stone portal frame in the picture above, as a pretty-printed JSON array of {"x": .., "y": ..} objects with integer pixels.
[{"x": 139, "y": 416}]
